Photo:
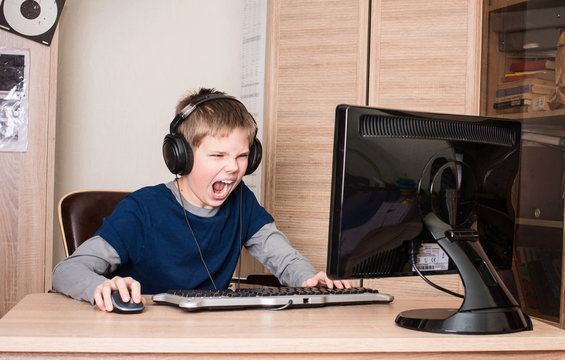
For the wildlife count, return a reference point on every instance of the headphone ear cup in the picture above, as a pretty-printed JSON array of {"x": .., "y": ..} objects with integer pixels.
[
  {"x": 177, "y": 154},
  {"x": 255, "y": 154}
]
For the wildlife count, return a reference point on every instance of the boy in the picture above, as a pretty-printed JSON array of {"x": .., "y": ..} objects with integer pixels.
[{"x": 188, "y": 233}]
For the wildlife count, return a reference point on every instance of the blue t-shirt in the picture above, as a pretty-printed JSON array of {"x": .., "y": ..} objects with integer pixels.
[{"x": 149, "y": 231}]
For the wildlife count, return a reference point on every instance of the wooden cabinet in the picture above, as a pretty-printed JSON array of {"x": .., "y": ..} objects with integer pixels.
[
  {"x": 539, "y": 232},
  {"x": 521, "y": 70},
  {"x": 26, "y": 196},
  {"x": 432, "y": 56},
  {"x": 317, "y": 58},
  {"x": 425, "y": 55},
  {"x": 410, "y": 54}
]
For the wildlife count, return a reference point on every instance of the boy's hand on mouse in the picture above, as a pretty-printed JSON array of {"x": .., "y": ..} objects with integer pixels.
[
  {"x": 322, "y": 279},
  {"x": 126, "y": 286}
]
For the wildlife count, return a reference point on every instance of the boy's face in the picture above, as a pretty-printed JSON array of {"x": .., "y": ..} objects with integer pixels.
[{"x": 219, "y": 166}]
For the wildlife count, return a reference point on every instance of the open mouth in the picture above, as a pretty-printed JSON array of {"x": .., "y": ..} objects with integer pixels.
[{"x": 221, "y": 188}]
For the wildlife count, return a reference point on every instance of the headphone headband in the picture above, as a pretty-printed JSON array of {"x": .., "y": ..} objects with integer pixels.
[{"x": 188, "y": 109}]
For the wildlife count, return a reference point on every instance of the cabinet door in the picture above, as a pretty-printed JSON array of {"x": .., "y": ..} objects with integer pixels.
[
  {"x": 539, "y": 232},
  {"x": 26, "y": 195},
  {"x": 317, "y": 59},
  {"x": 523, "y": 60},
  {"x": 425, "y": 55}
]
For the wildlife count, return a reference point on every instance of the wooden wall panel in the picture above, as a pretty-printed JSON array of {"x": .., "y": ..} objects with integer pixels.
[
  {"x": 317, "y": 59},
  {"x": 420, "y": 55},
  {"x": 26, "y": 195},
  {"x": 425, "y": 55}
]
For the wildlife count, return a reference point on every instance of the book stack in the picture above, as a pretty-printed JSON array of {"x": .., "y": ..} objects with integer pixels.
[{"x": 526, "y": 87}]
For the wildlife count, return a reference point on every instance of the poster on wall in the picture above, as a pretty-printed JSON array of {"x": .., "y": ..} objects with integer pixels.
[{"x": 14, "y": 84}]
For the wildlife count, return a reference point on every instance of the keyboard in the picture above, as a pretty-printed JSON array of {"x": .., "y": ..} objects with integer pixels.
[{"x": 276, "y": 298}]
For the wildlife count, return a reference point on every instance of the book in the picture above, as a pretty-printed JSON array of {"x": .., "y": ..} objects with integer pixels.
[
  {"x": 544, "y": 139},
  {"x": 522, "y": 103},
  {"x": 506, "y": 104},
  {"x": 525, "y": 89},
  {"x": 527, "y": 96},
  {"x": 541, "y": 103},
  {"x": 513, "y": 109},
  {"x": 530, "y": 81},
  {"x": 532, "y": 65},
  {"x": 538, "y": 74}
]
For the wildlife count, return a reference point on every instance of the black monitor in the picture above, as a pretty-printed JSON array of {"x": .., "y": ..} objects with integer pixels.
[{"x": 417, "y": 193}]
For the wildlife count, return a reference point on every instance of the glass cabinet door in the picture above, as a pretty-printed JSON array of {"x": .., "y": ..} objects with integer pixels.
[
  {"x": 523, "y": 58},
  {"x": 523, "y": 77}
]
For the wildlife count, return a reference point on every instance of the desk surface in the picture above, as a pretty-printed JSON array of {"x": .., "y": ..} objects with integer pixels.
[{"x": 52, "y": 323}]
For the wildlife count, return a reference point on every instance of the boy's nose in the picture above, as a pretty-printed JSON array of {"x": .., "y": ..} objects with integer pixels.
[{"x": 232, "y": 165}]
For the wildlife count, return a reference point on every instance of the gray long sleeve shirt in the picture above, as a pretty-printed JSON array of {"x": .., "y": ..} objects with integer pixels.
[{"x": 78, "y": 275}]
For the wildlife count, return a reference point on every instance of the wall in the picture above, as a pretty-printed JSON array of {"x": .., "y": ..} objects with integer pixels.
[{"x": 123, "y": 65}]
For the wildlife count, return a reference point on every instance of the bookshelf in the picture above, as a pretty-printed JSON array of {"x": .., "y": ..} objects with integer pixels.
[
  {"x": 518, "y": 34},
  {"x": 520, "y": 68}
]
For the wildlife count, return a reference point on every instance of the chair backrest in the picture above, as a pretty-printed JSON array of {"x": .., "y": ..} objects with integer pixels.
[{"x": 81, "y": 214}]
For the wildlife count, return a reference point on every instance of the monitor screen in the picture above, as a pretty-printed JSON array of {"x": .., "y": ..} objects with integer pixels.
[
  {"x": 392, "y": 168},
  {"x": 422, "y": 193}
]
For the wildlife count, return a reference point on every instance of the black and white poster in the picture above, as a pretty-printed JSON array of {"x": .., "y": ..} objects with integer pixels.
[{"x": 14, "y": 84}]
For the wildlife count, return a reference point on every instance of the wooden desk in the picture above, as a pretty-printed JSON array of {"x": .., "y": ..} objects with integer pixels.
[{"x": 51, "y": 325}]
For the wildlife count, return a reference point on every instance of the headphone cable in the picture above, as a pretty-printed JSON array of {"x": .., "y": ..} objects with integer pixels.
[
  {"x": 240, "y": 257},
  {"x": 194, "y": 236}
]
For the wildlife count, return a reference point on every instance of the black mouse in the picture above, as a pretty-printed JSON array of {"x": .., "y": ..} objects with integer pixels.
[{"x": 123, "y": 307}]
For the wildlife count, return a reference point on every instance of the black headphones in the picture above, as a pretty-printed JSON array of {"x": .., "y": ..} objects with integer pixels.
[{"x": 177, "y": 152}]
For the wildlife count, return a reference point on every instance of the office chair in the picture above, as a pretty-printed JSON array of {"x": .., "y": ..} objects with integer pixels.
[{"x": 81, "y": 214}]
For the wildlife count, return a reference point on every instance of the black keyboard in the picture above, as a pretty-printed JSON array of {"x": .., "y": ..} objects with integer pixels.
[{"x": 272, "y": 298}]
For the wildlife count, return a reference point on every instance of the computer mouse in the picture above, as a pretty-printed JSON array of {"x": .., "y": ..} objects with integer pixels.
[{"x": 123, "y": 307}]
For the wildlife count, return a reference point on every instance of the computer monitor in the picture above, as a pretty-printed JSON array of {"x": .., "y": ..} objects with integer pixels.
[{"x": 428, "y": 193}]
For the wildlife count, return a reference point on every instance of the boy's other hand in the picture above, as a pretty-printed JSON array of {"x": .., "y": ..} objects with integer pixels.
[
  {"x": 128, "y": 287},
  {"x": 322, "y": 279}
]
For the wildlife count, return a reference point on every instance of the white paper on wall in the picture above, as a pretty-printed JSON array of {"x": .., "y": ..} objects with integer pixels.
[{"x": 253, "y": 73}]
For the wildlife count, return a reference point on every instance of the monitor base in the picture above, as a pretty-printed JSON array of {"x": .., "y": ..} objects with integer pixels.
[{"x": 453, "y": 321}]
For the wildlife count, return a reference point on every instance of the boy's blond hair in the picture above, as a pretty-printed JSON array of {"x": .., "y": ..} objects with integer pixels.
[{"x": 215, "y": 118}]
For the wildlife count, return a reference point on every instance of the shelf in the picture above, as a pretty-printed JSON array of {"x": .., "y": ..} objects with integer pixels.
[
  {"x": 538, "y": 222},
  {"x": 535, "y": 114},
  {"x": 500, "y": 4}
]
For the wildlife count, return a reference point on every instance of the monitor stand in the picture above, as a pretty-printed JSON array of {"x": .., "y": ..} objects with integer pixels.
[{"x": 488, "y": 307}]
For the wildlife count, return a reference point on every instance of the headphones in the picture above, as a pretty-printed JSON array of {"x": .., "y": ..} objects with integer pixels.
[{"x": 177, "y": 152}]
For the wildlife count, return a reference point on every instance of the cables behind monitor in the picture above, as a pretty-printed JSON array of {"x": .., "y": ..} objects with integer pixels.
[{"x": 413, "y": 254}]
